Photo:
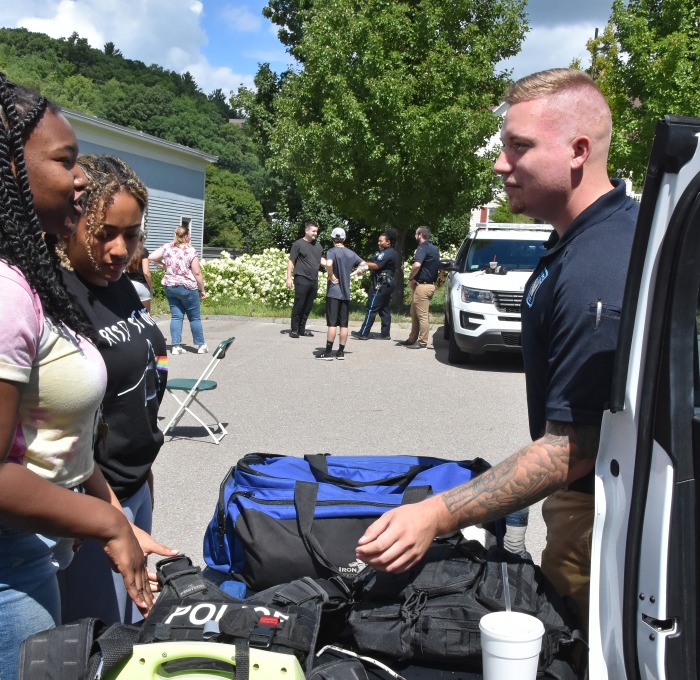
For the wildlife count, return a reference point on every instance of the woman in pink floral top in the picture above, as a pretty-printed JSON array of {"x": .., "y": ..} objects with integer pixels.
[{"x": 183, "y": 286}]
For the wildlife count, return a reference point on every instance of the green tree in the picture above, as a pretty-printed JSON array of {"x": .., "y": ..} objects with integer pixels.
[
  {"x": 289, "y": 15},
  {"x": 75, "y": 92},
  {"x": 646, "y": 63},
  {"x": 393, "y": 102},
  {"x": 232, "y": 216},
  {"x": 168, "y": 105},
  {"x": 502, "y": 214},
  {"x": 111, "y": 51},
  {"x": 134, "y": 105},
  {"x": 218, "y": 98},
  {"x": 258, "y": 104}
]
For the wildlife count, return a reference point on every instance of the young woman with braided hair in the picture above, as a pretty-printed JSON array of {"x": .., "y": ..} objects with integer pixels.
[
  {"x": 52, "y": 380},
  {"x": 133, "y": 348}
]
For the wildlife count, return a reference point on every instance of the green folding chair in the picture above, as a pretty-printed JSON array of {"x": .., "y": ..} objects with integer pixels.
[{"x": 192, "y": 387}]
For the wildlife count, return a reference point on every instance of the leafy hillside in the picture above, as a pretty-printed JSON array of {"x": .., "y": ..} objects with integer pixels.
[{"x": 158, "y": 102}]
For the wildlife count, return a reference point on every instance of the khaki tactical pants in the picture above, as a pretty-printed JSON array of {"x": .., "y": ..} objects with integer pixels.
[
  {"x": 420, "y": 313},
  {"x": 566, "y": 559}
]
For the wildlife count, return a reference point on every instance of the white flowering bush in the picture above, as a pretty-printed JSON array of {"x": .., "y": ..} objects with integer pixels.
[{"x": 262, "y": 278}]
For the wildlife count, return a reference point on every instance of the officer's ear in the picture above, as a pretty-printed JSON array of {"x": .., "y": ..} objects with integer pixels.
[{"x": 580, "y": 151}]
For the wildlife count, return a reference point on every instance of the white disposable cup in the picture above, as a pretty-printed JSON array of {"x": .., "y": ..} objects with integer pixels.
[{"x": 510, "y": 645}]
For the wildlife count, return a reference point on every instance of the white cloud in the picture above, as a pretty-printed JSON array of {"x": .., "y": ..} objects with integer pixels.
[
  {"x": 210, "y": 77},
  {"x": 142, "y": 29},
  {"x": 240, "y": 19},
  {"x": 551, "y": 47},
  {"x": 163, "y": 32}
]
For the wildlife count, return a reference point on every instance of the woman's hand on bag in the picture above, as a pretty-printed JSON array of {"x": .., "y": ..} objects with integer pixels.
[
  {"x": 150, "y": 546},
  {"x": 127, "y": 557},
  {"x": 399, "y": 538}
]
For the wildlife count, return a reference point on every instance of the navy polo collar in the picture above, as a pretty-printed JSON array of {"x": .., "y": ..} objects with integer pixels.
[{"x": 599, "y": 210}]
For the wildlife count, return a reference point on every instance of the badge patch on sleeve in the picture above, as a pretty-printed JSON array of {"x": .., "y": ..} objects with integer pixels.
[{"x": 530, "y": 299}]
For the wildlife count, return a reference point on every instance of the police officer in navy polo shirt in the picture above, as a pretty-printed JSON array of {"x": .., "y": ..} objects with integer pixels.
[
  {"x": 421, "y": 280},
  {"x": 556, "y": 137},
  {"x": 383, "y": 267}
]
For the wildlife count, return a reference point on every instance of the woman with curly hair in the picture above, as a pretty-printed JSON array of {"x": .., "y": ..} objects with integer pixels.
[
  {"x": 52, "y": 380},
  {"x": 133, "y": 348}
]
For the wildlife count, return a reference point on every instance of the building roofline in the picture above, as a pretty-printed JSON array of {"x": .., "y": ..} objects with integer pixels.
[{"x": 135, "y": 134}]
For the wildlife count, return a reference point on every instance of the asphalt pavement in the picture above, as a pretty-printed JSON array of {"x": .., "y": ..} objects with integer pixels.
[{"x": 274, "y": 396}]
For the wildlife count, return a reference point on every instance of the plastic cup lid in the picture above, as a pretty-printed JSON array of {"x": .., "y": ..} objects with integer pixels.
[{"x": 511, "y": 625}]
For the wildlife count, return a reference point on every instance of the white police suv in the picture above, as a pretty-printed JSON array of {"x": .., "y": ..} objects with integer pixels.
[{"x": 484, "y": 287}]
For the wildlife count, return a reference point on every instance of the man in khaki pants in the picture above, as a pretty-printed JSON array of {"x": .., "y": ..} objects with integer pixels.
[
  {"x": 421, "y": 279},
  {"x": 556, "y": 137}
]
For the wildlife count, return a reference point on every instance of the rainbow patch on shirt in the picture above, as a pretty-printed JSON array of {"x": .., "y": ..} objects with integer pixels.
[{"x": 162, "y": 363}]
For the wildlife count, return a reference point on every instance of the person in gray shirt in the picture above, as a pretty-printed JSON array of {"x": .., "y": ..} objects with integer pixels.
[{"x": 340, "y": 262}]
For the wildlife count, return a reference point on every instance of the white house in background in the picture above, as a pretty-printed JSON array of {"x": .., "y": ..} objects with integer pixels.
[
  {"x": 173, "y": 174},
  {"x": 481, "y": 214}
]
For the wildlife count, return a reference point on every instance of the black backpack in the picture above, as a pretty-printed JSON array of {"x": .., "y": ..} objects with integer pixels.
[{"x": 430, "y": 614}]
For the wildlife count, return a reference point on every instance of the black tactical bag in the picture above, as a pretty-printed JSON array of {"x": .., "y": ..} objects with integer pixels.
[{"x": 430, "y": 614}]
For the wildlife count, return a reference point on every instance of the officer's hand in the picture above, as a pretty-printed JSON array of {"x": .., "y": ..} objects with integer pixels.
[
  {"x": 400, "y": 537},
  {"x": 289, "y": 282}
]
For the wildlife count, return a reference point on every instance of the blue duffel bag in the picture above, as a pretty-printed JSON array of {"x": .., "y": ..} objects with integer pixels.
[{"x": 280, "y": 518}]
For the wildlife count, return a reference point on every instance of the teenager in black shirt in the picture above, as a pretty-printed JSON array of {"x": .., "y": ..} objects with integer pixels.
[{"x": 133, "y": 349}]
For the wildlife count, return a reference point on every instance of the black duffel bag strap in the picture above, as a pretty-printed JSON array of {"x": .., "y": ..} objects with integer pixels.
[
  {"x": 305, "y": 495},
  {"x": 318, "y": 462}
]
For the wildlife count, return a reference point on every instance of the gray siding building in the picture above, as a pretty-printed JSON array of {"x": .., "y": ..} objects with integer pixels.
[{"x": 173, "y": 174}]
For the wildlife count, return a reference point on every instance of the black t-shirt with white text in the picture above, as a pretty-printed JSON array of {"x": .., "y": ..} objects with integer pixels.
[{"x": 134, "y": 351}]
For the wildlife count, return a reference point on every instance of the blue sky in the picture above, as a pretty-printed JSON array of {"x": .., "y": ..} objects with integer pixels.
[{"x": 222, "y": 42}]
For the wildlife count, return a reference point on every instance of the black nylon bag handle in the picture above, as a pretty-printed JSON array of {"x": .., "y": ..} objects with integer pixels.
[
  {"x": 416, "y": 494},
  {"x": 318, "y": 462},
  {"x": 305, "y": 495}
]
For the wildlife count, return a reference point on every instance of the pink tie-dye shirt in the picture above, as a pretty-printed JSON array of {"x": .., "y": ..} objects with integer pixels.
[{"x": 62, "y": 381}]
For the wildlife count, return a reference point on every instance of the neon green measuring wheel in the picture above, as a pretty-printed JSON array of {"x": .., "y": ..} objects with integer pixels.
[{"x": 193, "y": 661}]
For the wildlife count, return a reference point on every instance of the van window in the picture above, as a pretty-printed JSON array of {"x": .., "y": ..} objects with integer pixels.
[{"x": 513, "y": 255}]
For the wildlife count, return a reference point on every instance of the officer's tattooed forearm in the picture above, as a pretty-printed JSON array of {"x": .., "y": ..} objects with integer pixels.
[{"x": 528, "y": 476}]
